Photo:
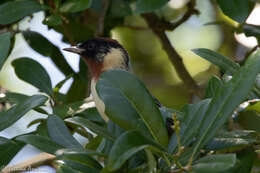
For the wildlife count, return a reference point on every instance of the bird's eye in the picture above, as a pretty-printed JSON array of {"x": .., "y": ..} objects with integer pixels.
[{"x": 90, "y": 46}]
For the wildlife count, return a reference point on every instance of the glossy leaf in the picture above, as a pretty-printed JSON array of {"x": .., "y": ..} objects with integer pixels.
[
  {"x": 144, "y": 6},
  {"x": 66, "y": 110},
  {"x": 250, "y": 120},
  {"x": 125, "y": 146},
  {"x": 43, "y": 46},
  {"x": 32, "y": 72},
  {"x": 215, "y": 163},
  {"x": 42, "y": 143},
  {"x": 59, "y": 132},
  {"x": 237, "y": 10},
  {"x": 5, "y": 42},
  {"x": 75, "y": 5},
  {"x": 227, "y": 99},
  {"x": 16, "y": 112},
  {"x": 65, "y": 169},
  {"x": 91, "y": 126},
  {"x": 92, "y": 115},
  {"x": 215, "y": 58},
  {"x": 231, "y": 141},
  {"x": 8, "y": 149},
  {"x": 130, "y": 105},
  {"x": 52, "y": 20},
  {"x": 13, "y": 11},
  {"x": 212, "y": 87},
  {"x": 80, "y": 167}
]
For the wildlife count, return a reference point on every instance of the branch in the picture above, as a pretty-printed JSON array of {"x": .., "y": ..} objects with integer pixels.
[
  {"x": 41, "y": 159},
  {"x": 101, "y": 19},
  {"x": 155, "y": 24}
]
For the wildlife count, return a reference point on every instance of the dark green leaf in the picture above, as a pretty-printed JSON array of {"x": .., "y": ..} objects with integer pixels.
[
  {"x": 8, "y": 149},
  {"x": 5, "y": 41},
  {"x": 16, "y": 112},
  {"x": 227, "y": 99},
  {"x": 237, "y": 10},
  {"x": 125, "y": 146},
  {"x": 120, "y": 8},
  {"x": 59, "y": 132},
  {"x": 94, "y": 143},
  {"x": 212, "y": 87},
  {"x": 92, "y": 115},
  {"x": 144, "y": 6},
  {"x": 66, "y": 169},
  {"x": 91, "y": 126},
  {"x": 32, "y": 72},
  {"x": 52, "y": 20},
  {"x": 43, "y": 46},
  {"x": 15, "y": 10},
  {"x": 130, "y": 105},
  {"x": 15, "y": 98},
  {"x": 215, "y": 58},
  {"x": 215, "y": 163},
  {"x": 43, "y": 143},
  {"x": 80, "y": 167},
  {"x": 75, "y": 5}
]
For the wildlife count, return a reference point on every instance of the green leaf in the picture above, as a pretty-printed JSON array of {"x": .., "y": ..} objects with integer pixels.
[
  {"x": 237, "y": 10},
  {"x": 43, "y": 46},
  {"x": 224, "y": 63},
  {"x": 8, "y": 149},
  {"x": 213, "y": 86},
  {"x": 59, "y": 132},
  {"x": 68, "y": 109},
  {"x": 42, "y": 143},
  {"x": 91, "y": 126},
  {"x": 130, "y": 105},
  {"x": 214, "y": 163},
  {"x": 231, "y": 141},
  {"x": 65, "y": 169},
  {"x": 73, "y": 6},
  {"x": 80, "y": 167},
  {"x": 52, "y": 20},
  {"x": 250, "y": 120},
  {"x": 81, "y": 158},
  {"x": 92, "y": 115},
  {"x": 227, "y": 99},
  {"x": 119, "y": 8},
  {"x": 190, "y": 124},
  {"x": 144, "y": 6},
  {"x": 125, "y": 146},
  {"x": 15, "y": 10},
  {"x": 5, "y": 42},
  {"x": 32, "y": 72},
  {"x": 16, "y": 112}
]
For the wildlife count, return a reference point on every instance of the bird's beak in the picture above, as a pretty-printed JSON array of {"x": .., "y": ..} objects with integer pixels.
[{"x": 74, "y": 49}]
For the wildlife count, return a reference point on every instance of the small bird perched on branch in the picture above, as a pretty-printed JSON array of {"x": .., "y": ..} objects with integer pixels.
[{"x": 102, "y": 54}]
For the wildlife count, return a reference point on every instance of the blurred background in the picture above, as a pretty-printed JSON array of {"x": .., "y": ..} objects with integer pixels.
[{"x": 149, "y": 62}]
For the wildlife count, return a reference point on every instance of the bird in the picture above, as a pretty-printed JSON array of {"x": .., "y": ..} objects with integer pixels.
[{"x": 102, "y": 54}]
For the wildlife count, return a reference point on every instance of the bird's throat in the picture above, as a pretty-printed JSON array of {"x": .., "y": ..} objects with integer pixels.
[{"x": 95, "y": 68}]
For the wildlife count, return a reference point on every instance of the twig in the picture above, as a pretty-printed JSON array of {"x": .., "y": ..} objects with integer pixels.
[
  {"x": 41, "y": 159},
  {"x": 101, "y": 19},
  {"x": 159, "y": 27}
]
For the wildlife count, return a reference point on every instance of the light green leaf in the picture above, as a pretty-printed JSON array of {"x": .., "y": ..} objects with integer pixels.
[
  {"x": 91, "y": 126},
  {"x": 214, "y": 163},
  {"x": 144, "y": 6},
  {"x": 237, "y": 10},
  {"x": 126, "y": 145},
  {"x": 42, "y": 143},
  {"x": 5, "y": 42},
  {"x": 130, "y": 105},
  {"x": 59, "y": 132},
  {"x": 32, "y": 72},
  {"x": 15, "y": 10},
  {"x": 16, "y": 112},
  {"x": 73, "y": 6}
]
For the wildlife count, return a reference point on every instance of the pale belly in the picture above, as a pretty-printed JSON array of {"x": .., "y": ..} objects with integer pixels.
[{"x": 98, "y": 102}]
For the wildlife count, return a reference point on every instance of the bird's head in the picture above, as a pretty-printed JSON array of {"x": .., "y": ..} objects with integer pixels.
[{"x": 102, "y": 54}]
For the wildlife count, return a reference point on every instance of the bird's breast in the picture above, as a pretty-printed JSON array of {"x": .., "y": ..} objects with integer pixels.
[{"x": 98, "y": 102}]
